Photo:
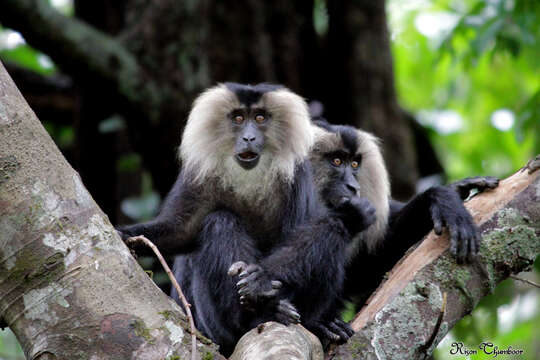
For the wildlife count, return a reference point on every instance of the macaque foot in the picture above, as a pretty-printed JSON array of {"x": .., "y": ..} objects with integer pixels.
[{"x": 336, "y": 331}]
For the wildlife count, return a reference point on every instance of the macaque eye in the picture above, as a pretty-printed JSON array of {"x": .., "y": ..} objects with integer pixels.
[
  {"x": 260, "y": 119},
  {"x": 355, "y": 164},
  {"x": 238, "y": 119},
  {"x": 337, "y": 161}
]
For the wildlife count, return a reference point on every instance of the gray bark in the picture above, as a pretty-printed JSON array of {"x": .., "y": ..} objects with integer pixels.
[
  {"x": 273, "y": 341},
  {"x": 70, "y": 287}
]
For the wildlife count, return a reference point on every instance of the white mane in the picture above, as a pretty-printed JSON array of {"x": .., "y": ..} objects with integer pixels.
[{"x": 207, "y": 148}]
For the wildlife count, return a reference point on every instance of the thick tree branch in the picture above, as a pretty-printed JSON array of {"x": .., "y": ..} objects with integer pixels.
[
  {"x": 70, "y": 287},
  {"x": 273, "y": 341},
  {"x": 80, "y": 50}
]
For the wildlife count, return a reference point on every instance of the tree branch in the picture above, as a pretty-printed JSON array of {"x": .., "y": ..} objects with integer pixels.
[
  {"x": 273, "y": 341},
  {"x": 80, "y": 50}
]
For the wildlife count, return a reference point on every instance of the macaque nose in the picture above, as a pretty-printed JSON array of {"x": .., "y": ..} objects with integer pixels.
[{"x": 353, "y": 188}]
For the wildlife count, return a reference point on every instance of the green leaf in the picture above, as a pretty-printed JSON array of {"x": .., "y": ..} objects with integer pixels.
[
  {"x": 27, "y": 57},
  {"x": 487, "y": 35}
]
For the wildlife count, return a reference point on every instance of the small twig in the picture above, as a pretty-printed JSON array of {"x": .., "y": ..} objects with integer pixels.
[
  {"x": 430, "y": 341},
  {"x": 525, "y": 281},
  {"x": 183, "y": 299}
]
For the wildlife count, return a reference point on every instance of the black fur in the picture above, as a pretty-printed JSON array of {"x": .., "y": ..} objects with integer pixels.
[
  {"x": 250, "y": 94},
  {"x": 349, "y": 137},
  {"x": 298, "y": 264},
  {"x": 310, "y": 280},
  {"x": 226, "y": 238},
  {"x": 169, "y": 230},
  {"x": 176, "y": 227},
  {"x": 203, "y": 277},
  {"x": 435, "y": 208},
  {"x": 293, "y": 247},
  {"x": 221, "y": 228}
]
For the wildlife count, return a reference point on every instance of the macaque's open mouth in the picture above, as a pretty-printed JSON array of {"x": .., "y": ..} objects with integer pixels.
[
  {"x": 247, "y": 159},
  {"x": 248, "y": 155}
]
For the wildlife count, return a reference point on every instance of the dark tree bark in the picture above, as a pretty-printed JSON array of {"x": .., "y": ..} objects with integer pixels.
[
  {"x": 361, "y": 85},
  {"x": 106, "y": 15},
  {"x": 98, "y": 152}
]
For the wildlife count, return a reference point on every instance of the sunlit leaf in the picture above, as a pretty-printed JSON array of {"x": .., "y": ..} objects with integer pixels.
[{"x": 27, "y": 57}]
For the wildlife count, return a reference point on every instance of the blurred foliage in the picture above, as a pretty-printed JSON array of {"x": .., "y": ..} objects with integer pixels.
[
  {"x": 145, "y": 206},
  {"x": 458, "y": 64},
  {"x": 349, "y": 311},
  {"x": 9, "y": 346},
  {"x": 469, "y": 71},
  {"x": 64, "y": 6},
  {"x": 63, "y": 135},
  {"x": 112, "y": 124},
  {"x": 320, "y": 17},
  {"x": 17, "y": 51},
  {"x": 29, "y": 58}
]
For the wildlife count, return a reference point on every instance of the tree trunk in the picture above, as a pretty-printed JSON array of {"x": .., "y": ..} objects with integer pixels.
[
  {"x": 361, "y": 88},
  {"x": 70, "y": 287}
]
